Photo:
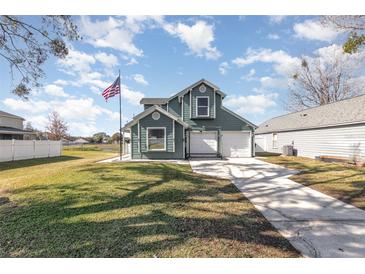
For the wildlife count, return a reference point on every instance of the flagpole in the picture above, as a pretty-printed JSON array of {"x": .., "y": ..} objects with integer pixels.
[{"x": 120, "y": 121}]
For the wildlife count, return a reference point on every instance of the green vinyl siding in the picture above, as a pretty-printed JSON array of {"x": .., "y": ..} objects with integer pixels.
[
  {"x": 208, "y": 93},
  {"x": 223, "y": 120},
  {"x": 134, "y": 142},
  {"x": 146, "y": 106},
  {"x": 175, "y": 107},
  {"x": 170, "y": 152},
  {"x": 219, "y": 119}
]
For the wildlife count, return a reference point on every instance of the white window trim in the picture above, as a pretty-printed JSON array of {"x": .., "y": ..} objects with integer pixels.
[
  {"x": 196, "y": 106},
  {"x": 139, "y": 140},
  {"x": 173, "y": 134},
  {"x": 214, "y": 109},
  {"x": 164, "y": 149},
  {"x": 191, "y": 107},
  {"x": 276, "y": 143}
]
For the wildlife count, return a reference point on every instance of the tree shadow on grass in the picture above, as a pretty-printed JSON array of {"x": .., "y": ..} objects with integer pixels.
[
  {"x": 35, "y": 162},
  {"x": 165, "y": 215}
]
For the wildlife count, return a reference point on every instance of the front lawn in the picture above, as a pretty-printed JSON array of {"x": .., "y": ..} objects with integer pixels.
[
  {"x": 74, "y": 207},
  {"x": 346, "y": 183}
]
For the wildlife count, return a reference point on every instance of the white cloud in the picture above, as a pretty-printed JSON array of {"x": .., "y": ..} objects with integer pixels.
[
  {"x": 28, "y": 106},
  {"x": 269, "y": 82},
  {"x": 273, "y": 36},
  {"x": 283, "y": 63},
  {"x": 80, "y": 114},
  {"x": 61, "y": 82},
  {"x": 76, "y": 61},
  {"x": 198, "y": 37},
  {"x": 250, "y": 75},
  {"x": 55, "y": 90},
  {"x": 83, "y": 129},
  {"x": 276, "y": 19},
  {"x": 38, "y": 121},
  {"x": 223, "y": 68},
  {"x": 108, "y": 60},
  {"x": 139, "y": 78},
  {"x": 251, "y": 103},
  {"x": 117, "y": 32},
  {"x": 131, "y": 96},
  {"x": 314, "y": 30},
  {"x": 132, "y": 61}
]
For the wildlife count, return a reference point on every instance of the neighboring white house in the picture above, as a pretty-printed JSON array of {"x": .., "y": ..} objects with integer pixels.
[
  {"x": 80, "y": 141},
  {"x": 336, "y": 129},
  {"x": 11, "y": 127}
]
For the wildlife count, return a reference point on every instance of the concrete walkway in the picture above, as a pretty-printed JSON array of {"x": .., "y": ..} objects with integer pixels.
[{"x": 316, "y": 224}]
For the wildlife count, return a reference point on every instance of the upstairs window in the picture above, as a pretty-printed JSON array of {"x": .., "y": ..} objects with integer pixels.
[
  {"x": 156, "y": 138},
  {"x": 202, "y": 106}
]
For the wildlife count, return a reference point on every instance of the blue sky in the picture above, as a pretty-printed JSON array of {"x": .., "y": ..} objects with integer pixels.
[{"x": 249, "y": 57}]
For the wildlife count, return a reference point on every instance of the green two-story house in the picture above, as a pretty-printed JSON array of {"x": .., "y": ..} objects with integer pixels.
[{"x": 191, "y": 123}]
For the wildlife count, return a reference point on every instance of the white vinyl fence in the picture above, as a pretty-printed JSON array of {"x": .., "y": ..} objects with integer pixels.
[{"x": 13, "y": 150}]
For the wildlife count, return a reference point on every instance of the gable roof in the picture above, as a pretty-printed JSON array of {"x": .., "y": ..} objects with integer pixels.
[
  {"x": 161, "y": 101},
  {"x": 149, "y": 111},
  {"x": 344, "y": 112},
  {"x": 201, "y": 81},
  {"x": 6, "y": 114}
]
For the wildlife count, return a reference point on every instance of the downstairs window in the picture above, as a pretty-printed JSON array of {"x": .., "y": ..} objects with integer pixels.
[{"x": 156, "y": 138}]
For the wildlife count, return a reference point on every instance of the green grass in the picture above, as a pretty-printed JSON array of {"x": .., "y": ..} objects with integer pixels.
[
  {"x": 93, "y": 147},
  {"x": 74, "y": 207},
  {"x": 344, "y": 182}
]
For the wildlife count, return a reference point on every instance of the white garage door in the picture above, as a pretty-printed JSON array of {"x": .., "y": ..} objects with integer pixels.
[
  {"x": 236, "y": 144},
  {"x": 203, "y": 142}
]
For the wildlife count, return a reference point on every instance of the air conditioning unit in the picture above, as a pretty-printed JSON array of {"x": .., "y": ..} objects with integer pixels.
[{"x": 288, "y": 150}]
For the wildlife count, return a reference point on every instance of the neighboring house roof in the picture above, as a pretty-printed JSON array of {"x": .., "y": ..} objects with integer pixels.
[
  {"x": 149, "y": 111},
  {"x": 13, "y": 130},
  {"x": 344, "y": 112},
  {"x": 81, "y": 141},
  {"x": 154, "y": 101},
  {"x": 6, "y": 114}
]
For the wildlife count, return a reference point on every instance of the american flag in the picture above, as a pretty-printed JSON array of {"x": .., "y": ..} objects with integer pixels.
[{"x": 112, "y": 90}]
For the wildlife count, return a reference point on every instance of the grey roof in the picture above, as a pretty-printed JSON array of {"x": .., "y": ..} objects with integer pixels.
[
  {"x": 185, "y": 90},
  {"x": 161, "y": 101},
  {"x": 7, "y": 114},
  {"x": 344, "y": 112},
  {"x": 14, "y": 130},
  {"x": 154, "y": 101}
]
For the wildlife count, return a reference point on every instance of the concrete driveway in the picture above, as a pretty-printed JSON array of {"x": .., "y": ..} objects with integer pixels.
[{"x": 315, "y": 224}]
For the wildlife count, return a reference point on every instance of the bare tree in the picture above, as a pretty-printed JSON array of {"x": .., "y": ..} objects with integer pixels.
[
  {"x": 354, "y": 24},
  {"x": 26, "y": 46},
  {"x": 320, "y": 81},
  {"x": 57, "y": 128}
]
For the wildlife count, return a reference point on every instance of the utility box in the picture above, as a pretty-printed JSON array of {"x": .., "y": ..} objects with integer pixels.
[{"x": 288, "y": 150}]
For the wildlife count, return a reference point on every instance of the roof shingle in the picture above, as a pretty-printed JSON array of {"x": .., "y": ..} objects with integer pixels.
[{"x": 347, "y": 111}]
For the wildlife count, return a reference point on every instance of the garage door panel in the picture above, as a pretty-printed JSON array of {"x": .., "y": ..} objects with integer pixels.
[
  {"x": 203, "y": 142},
  {"x": 236, "y": 144}
]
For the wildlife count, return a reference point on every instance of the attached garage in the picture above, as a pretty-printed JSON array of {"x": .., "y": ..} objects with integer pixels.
[
  {"x": 233, "y": 144},
  {"x": 236, "y": 144},
  {"x": 204, "y": 142}
]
